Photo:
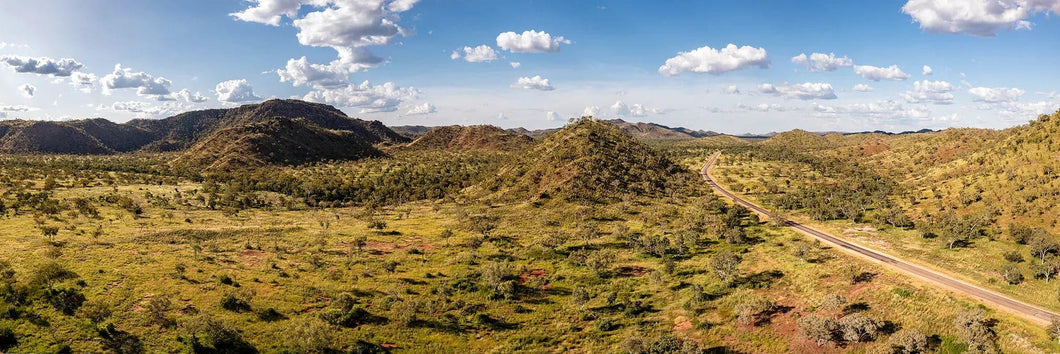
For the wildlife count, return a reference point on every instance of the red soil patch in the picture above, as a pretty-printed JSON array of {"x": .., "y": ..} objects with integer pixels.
[
  {"x": 388, "y": 345},
  {"x": 682, "y": 324},
  {"x": 536, "y": 273}
]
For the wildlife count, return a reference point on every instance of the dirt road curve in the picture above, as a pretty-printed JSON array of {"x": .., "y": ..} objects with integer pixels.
[{"x": 1017, "y": 307}]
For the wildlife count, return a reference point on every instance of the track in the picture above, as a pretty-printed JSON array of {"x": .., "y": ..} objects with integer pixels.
[{"x": 1022, "y": 309}]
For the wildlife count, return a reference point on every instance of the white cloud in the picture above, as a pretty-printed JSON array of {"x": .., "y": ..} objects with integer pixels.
[
  {"x": 515, "y": 64},
  {"x": 4, "y": 45},
  {"x": 235, "y": 91},
  {"x": 347, "y": 26},
  {"x": 877, "y": 73},
  {"x": 927, "y": 70},
  {"x": 269, "y": 12},
  {"x": 301, "y": 72},
  {"x": 881, "y": 109},
  {"x": 712, "y": 61},
  {"x": 16, "y": 108},
  {"x": 732, "y": 90},
  {"x": 28, "y": 90},
  {"x": 551, "y": 116},
  {"x": 454, "y": 55},
  {"x": 370, "y": 98},
  {"x": 533, "y": 83},
  {"x": 83, "y": 81},
  {"x": 146, "y": 84},
  {"x": 764, "y": 107},
  {"x": 43, "y": 65},
  {"x": 996, "y": 95},
  {"x": 937, "y": 92},
  {"x": 482, "y": 53},
  {"x": 530, "y": 42},
  {"x": 982, "y": 18},
  {"x": 422, "y": 109},
  {"x": 821, "y": 62},
  {"x": 862, "y": 88},
  {"x": 634, "y": 110},
  {"x": 591, "y": 111},
  {"x": 803, "y": 91},
  {"x": 144, "y": 109},
  {"x": 187, "y": 96}
]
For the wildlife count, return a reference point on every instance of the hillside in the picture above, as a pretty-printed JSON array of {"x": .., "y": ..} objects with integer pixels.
[
  {"x": 478, "y": 137},
  {"x": 28, "y": 137},
  {"x": 279, "y": 141},
  {"x": 99, "y": 136},
  {"x": 411, "y": 131},
  {"x": 594, "y": 161}
]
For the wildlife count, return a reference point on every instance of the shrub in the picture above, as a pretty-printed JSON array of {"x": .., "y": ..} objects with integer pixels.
[
  {"x": 749, "y": 310},
  {"x": 909, "y": 341},
  {"x": 974, "y": 328},
  {"x": 821, "y": 329},
  {"x": 7, "y": 339},
  {"x": 858, "y": 327},
  {"x": 232, "y": 302},
  {"x": 1012, "y": 274}
]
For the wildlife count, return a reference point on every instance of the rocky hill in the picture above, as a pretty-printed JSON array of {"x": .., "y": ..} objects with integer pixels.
[
  {"x": 277, "y": 141},
  {"x": 477, "y": 137},
  {"x": 590, "y": 161},
  {"x": 179, "y": 132}
]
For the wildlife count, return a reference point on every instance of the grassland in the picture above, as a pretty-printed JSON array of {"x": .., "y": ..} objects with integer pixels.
[{"x": 148, "y": 260}]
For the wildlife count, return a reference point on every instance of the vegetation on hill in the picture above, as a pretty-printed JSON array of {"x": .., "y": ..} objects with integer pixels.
[
  {"x": 593, "y": 161},
  {"x": 476, "y": 137},
  {"x": 28, "y": 137},
  {"x": 279, "y": 141}
]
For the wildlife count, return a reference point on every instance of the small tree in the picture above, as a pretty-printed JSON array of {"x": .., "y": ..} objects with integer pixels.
[
  {"x": 748, "y": 311},
  {"x": 49, "y": 232},
  {"x": 833, "y": 302},
  {"x": 819, "y": 328},
  {"x": 580, "y": 297},
  {"x": 857, "y": 327},
  {"x": 909, "y": 341},
  {"x": 973, "y": 327},
  {"x": 1012, "y": 274},
  {"x": 725, "y": 264}
]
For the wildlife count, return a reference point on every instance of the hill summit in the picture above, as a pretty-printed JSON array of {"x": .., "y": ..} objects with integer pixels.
[
  {"x": 476, "y": 137},
  {"x": 590, "y": 160}
]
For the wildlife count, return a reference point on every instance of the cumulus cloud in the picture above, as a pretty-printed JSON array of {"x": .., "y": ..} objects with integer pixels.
[
  {"x": 881, "y": 109},
  {"x": 732, "y": 90},
  {"x": 482, "y": 53},
  {"x": 28, "y": 90},
  {"x": 301, "y": 72},
  {"x": 984, "y": 18},
  {"x": 937, "y": 92},
  {"x": 422, "y": 109},
  {"x": 803, "y": 91},
  {"x": 712, "y": 61},
  {"x": 533, "y": 83},
  {"x": 551, "y": 116},
  {"x": 145, "y": 84},
  {"x": 369, "y": 98},
  {"x": 5, "y": 110},
  {"x": 43, "y": 65},
  {"x": 874, "y": 73},
  {"x": 821, "y": 62},
  {"x": 996, "y": 95},
  {"x": 270, "y": 12},
  {"x": 4, "y": 45},
  {"x": 515, "y": 64},
  {"x": 591, "y": 111},
  {"x": 633, "y": 110},
  {"x": 235, "y": 91},
  {"x": 927, "y": 70},
  {"x": 83, "y": 81},
  {"x": 347, "y": 26},
  {"x": 187, "y": 96},
  {"x": 530, "y": 42},
  {"x": 862, "y": 88}
]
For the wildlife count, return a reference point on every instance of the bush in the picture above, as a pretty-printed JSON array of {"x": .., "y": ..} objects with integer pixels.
[
  {"x": 909, "y": 341},
  {"x": 231, "y": 302},
  {"x": 1012, "y": 274},
  {"x": 857, "y": 327},
  {"x": 821, "y": 329},
  {"x": 270, "y": 315},
  {"x": 309, "y": 335},
  {"x": 66, "y": 301},
  {"x": 974, "y": 328},
  {"x": 748, "y": 310}
]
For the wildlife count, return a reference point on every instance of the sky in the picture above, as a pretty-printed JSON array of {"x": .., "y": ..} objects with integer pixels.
[{"x": 728, "y": 66}]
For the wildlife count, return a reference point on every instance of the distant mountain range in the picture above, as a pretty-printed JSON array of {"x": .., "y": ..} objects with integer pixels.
[{"x": 645, "y": 131}]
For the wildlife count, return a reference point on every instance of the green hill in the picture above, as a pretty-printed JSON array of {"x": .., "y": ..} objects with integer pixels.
[
  {"x": 478, "y": 137},
  {"x": 593, "y": 161}
]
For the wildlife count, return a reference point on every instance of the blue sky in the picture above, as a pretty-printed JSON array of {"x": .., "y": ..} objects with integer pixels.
[{"x": 992, "y": 62}]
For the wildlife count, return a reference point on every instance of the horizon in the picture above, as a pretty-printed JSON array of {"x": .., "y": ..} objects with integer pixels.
[{"x": 746, "y": 68}]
